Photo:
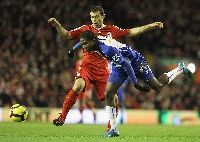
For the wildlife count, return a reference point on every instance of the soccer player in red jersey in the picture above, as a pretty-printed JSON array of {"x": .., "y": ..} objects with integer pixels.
[{"x": 94, "y": 67}]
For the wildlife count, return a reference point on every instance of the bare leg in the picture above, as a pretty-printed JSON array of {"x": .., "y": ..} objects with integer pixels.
[
  {"x": 166, "y": 78},
  {"x": 111, "y": 91},
  {"x": 79, "y": 85}
]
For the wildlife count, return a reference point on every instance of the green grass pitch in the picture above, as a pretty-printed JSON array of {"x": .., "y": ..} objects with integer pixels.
[{"x": 46, "y": 132}]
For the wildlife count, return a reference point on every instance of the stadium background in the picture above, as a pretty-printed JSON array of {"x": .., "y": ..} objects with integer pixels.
[{"x": 35, "y": 70}]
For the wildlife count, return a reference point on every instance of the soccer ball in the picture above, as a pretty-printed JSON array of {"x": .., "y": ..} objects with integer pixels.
[{"x": 18, "y": 113}]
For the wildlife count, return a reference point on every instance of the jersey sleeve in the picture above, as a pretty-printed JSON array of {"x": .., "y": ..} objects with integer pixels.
[
  {"x": 127, "y": 51},
  {"x": 77, "y": 46},
  {"x": 129, "y": 70},
  {"x": 119, "y": 32},
  {"x": 75, "y": 33}
]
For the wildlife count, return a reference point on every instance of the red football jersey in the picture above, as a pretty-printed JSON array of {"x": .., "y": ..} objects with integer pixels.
[
  {"x": 96, "y": 64},
  {"x": 106, "y": 30}
]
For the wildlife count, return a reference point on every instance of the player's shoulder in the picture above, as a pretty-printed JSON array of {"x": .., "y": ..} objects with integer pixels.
[
  {"x": 84, "y": 27},
  {"x": 112, "y": 26},
  {"x": 106, "y": 48}
]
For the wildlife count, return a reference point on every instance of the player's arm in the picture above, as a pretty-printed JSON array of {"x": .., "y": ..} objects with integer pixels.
[
  {"x": 129, "y": 70},
  {"x": 75, "y": 47},
  {"x": 138, "y": 30},
  {"x": 62, "y": 31}
]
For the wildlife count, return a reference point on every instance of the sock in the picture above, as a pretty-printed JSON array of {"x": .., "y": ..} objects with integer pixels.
[
  {"x": 111, "y": 116},
  {"x": 69, "y": 101},
  {"x": 172, "y": 74}
]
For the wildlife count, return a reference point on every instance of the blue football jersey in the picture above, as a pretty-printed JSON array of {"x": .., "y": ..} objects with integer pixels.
[{"x": 137, "y": 61}]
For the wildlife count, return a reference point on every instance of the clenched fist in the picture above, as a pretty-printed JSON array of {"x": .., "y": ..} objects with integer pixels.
[
  {"x": 158, "y": 25},
  {"x": 54, "y": 22}
]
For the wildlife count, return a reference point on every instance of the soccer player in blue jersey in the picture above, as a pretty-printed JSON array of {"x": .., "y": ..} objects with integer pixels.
[{"x": 125, "y": 62}]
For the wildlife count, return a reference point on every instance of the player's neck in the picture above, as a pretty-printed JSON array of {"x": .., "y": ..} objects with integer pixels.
[{"x": 99, "y": 26}]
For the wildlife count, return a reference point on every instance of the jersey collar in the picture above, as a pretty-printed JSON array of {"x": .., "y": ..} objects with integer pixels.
[{"x": 99, "y": 28}]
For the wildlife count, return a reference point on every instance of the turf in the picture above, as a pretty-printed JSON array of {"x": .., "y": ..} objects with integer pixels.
[{"x": 46, "y": 132}]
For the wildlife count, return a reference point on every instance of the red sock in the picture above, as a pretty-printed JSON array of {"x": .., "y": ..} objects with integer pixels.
[
  {"x": 108, "y": 126},
  {"x": 69, "y": 101}
]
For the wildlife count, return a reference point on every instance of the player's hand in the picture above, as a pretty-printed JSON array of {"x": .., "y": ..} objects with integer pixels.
[
  {"x": 157, "y": 25},
  {"x": 53, "y": 22},
  {"x": 142, "y": 88},
  {"x": 71, "y": 54}
]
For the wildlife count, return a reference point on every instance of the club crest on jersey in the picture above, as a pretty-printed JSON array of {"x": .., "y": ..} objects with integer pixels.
[{"x": 109, "y": 35}]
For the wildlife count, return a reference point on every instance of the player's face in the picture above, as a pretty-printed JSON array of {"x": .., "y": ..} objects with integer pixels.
[
  {"x": 97, "y": 19},
  {"x": 86, "y": 44}
]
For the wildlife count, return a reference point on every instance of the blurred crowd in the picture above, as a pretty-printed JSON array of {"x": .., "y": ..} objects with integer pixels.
[{"x": 36, "y": 71}]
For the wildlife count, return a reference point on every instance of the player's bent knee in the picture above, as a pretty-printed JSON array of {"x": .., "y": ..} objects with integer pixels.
[{"x": 79, "y": 85}]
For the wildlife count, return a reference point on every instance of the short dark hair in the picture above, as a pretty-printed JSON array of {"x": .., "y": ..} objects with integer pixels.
[
  {"x": 96, "y": 9},
  {"x": 89, "y": 35}
]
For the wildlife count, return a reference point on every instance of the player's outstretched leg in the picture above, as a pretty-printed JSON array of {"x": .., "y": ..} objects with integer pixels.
[
  {"x": 166, "y": 78},
  {"x": 70, "y": 100}
]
